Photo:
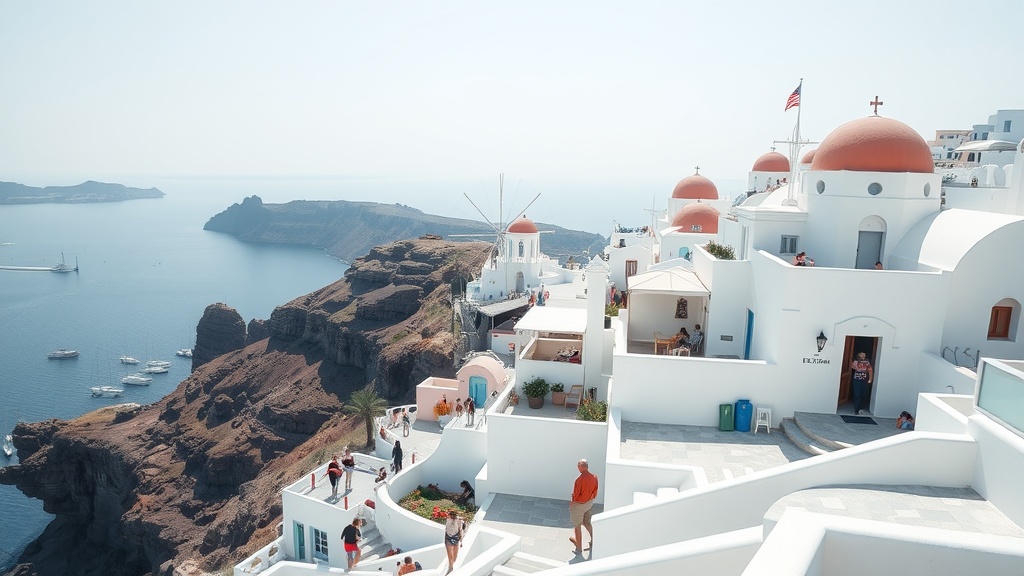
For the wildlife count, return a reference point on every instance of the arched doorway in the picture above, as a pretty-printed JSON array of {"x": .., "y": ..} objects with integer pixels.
[{"x": 870, "y": 237}]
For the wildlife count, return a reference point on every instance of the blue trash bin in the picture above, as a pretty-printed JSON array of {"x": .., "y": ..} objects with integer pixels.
[{"x": 744, "y": 415}]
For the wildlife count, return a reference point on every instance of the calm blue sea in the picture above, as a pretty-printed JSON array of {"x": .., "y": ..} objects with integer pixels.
[{"x": 148, "y": 270}]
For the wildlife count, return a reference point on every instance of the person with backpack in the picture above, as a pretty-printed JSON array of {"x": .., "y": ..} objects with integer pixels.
[{"x": 405, "y": 423}]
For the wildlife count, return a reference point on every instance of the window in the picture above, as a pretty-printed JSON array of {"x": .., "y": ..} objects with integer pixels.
[
  {"x": 874, "y": 188},
  {"x": 984, "y": 135},
  {"x": 999, "y": 323},
  {"x": 1006, "y": 126},
  {"x": 630, "y": 268},
  {"x": 320, "y": 544},
  {"x": 695, "y": 228},
  {"x": 788, "y": 245},
  {"x": 520, "y": 248}
]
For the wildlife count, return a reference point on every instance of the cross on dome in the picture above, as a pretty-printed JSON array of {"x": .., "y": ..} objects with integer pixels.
[
  {"x": 876, "y": 104},
  {"x": 696, "y": 169}
]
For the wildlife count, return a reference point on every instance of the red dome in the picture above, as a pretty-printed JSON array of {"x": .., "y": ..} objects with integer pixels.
[
  {"x": 771, "y": 162},
  {"x": 698, "y": 214},
  {"x": 808, "y": 158},
  {"x": 523, "y": 226},
  {"x": 696, "y": 187},
  {"x": 874, "y": 144}
]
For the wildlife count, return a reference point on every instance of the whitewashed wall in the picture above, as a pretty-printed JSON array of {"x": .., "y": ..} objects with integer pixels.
[
  {"x": 943, "y": 413},
  {"x": 731, "y": 285},
  {"x": 913, "y": 458},
  {"x": 937, "y": 374},
  {"x": 981, "y": 199},
  {"x": 532, "y": 456},
  {"x": 314, "y": 513},
  {"x": 1001, "y": 466},
  {"x": 639, "y": 251}
]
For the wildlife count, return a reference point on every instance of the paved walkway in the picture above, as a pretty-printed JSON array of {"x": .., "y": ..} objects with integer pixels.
[
  {"x": 723, "y": 455},
  {"x": 833, "y": 427},
  {"x": 949, "y": 508},
  {"x": 542, "y": 523}
]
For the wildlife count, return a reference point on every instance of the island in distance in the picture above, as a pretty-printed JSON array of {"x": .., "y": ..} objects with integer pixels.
[
  {"x": 347, "y": 230},
  {"x": 14, "y": 193}
]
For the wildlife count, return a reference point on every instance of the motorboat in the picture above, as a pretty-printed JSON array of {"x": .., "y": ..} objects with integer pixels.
[
  {"x": 63, "y": 266},
  {"x": 8, "y": 446},
  {"x": 185, "y": 352},
  {"x": 62, "y": 353},
  {"x": 156, "y": 369},
  {"x": 164, "y": 363},
  {"x": 106, "y": 391},
  {"x": 136, "y": 380},
  {"x": 128, "y": 360}
]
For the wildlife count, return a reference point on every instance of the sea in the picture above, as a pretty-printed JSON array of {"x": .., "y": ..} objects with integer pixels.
[{"x": 147, "y": 270}]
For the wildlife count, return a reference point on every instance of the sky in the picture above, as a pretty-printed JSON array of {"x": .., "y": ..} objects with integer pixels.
[{"x": 599, "y": 105}]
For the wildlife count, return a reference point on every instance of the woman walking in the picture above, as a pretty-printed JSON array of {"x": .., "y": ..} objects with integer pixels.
[
  {"x": 396, "y": 454},
  {"x": 333, "y": 472},
  {"x": 348, "y": 464},
  {"x": 454, "y": 530}
]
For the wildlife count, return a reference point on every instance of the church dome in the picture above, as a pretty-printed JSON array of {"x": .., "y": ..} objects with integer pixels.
[
  {"x": 697, "y": 214},
  {"x": 874, "y": 144},
  {"x": 523, "y": 226},
  {"x": 695, "y": 187},
  {"x": 771, "y": 162},
  {"x": 808, "y": 158}
]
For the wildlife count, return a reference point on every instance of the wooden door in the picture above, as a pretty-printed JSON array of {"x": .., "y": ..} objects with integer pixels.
[{"x": 845, "y": 394}]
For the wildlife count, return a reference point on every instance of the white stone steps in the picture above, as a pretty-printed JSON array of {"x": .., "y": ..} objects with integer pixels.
[
  {"x": 796, "y": 435},
  {"x": 643, "y": 497},
  {"x": 819, "y": 439},
  {"x": 523, "y": 563}
]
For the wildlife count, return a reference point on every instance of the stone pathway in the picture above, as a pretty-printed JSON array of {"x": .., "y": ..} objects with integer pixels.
[{"x": 542, "y": 523}]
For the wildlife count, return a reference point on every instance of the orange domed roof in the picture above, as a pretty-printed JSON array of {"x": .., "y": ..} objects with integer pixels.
[
  {"x": 874, "y": 144},
  {"x": 523, "y": 226},
  {"x": 771, "y": 162},
  {"x": 808, "y": 158},
  {"x": 696, "y": 187},
  {"x": 699, "y": 214}
]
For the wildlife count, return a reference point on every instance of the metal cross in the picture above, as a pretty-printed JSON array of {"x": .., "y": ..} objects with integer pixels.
[
  {"x": 876, "y": 104},
  {"x": 696, "y": 169}
]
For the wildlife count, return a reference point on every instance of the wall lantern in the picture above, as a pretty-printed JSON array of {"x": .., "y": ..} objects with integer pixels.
[{"x": 821, "y": 341}]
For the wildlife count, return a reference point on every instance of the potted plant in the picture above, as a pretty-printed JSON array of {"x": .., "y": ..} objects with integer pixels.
[
  {"x": 558, "y": 394},
  {"x": 443, "y": 412},
  {"x": 535, "y": 390}
]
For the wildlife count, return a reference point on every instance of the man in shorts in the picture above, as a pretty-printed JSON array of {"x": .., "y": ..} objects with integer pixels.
[
  {"x": 584, "y": 491},
  {"x": 350, "y": 537}
]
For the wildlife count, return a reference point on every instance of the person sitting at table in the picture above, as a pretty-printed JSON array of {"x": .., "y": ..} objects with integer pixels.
[
  {"x": 679, "y": 342},
  {"x": 801, "y": 259},
  {"x": 695, "y": 338}
]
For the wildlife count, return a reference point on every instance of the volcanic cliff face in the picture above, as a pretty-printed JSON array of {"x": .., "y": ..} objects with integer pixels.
[{"x": 193, "y": 481}]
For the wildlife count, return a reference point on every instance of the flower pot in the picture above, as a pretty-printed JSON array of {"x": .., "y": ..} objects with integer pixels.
[
  {"x": 536, "y": 402},
  {"x": 558, "y": 398}
]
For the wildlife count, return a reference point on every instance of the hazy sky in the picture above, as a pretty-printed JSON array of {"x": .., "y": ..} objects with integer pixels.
[{"x": 621, "y": 98}]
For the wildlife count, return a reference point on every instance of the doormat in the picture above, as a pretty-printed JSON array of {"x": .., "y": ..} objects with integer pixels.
[{"x": 858, "y": 419}]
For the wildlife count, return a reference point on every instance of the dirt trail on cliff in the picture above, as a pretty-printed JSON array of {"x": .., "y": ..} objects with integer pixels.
[{"x": 196, "y": 477}]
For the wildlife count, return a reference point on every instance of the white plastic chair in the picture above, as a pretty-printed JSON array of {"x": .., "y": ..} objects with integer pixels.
[{"x": 764, "y": 418}]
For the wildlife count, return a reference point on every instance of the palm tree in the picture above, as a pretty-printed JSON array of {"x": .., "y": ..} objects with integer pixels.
[{"x": 366, "y": 405}]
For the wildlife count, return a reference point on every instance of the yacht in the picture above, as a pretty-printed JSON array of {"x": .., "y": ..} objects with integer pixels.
[
  {"x": 164, "y": 363},
  {"x": 136, "y": 380},
  {"x": 156, "y": 369},
  {"x": 186, "y": 352},
  {"x": 128, "y": 360},
  {"x": 8, "y": 446},
  {"x": 106, "y": 391},
  {"x": 62, "y": 353}
]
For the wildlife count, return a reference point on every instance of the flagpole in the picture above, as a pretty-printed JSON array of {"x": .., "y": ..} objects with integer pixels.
[{"x": 794, "y": 149}]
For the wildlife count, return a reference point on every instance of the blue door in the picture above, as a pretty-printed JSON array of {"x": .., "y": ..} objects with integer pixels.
[
  {"x": 750, "y": 334},
  {"x": 300, "y": 540},
  {"x": 478, "y": 390}
]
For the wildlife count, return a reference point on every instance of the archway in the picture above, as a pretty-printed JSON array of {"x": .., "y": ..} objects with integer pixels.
[{"x": 870, "y": 239}]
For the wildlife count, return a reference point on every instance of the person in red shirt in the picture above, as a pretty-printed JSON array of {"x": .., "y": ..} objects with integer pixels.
[
  {"x": 333, "y": 473},
  {"x": 584, "y": 491}
]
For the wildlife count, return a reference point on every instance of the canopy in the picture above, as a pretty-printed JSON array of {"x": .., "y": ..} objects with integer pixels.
[
  {"x": 672, "y": 281},
  {"x": 504, "y": 306},
  {"x": 987, "y": 146},
  {"x": 552, "y": 319}
]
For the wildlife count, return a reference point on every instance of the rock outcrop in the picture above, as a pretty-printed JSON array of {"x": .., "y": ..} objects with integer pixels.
[
  {"x": 349, "y": 229},
  {"x": 193, "y": 480},
  {"x": 14, "y": 193},
  {"x": 220, "y": 330}
]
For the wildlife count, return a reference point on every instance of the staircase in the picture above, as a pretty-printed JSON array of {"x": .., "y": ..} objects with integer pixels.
[
  {"x": 806, "y": 439},
  {"x": 644, "y": 497},
  {"x": 522, "y": 563},
  {"x": 373, "y": 545}
]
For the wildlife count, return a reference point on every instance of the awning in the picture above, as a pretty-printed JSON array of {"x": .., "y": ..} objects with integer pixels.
[
  {"x": 504, "y": 306},
  {"x": 673, "y": 281},
  {"x": 987, "y": 146},
  {"x": 552, "y": 319}
]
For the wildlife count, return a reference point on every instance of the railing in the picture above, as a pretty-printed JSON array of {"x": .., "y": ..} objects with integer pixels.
[
  {"x": 1001, "y": 393},
  {"x": 262, "y": 559}
]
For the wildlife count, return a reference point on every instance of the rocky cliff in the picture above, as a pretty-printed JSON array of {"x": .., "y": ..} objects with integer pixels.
[
  {"x": 193, "y": 481},
  {"x": 349, "y": 229}
]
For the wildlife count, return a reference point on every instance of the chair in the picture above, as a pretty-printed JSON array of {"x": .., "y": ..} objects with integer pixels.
[
  {"x": 764, "y": 418},
  {"x": 575, "y": 396}
]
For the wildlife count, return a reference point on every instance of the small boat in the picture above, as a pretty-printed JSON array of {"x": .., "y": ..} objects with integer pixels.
[
  {"x": 8, "y": 446},
  {"x": 106, "y": 391},
  {"x": 128, "y": 360},
  {"x": 156, "y": 369},
  {"x": 186, "y": 352},
  {"x": 62, "y": 353},
  {"x": 63, "y": 266},
  {"x": 136, "y": 380},
  {"x": 158, "y": 363}
]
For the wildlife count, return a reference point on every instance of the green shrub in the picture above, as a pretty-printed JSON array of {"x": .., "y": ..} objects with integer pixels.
[
  {"x": 720, "y": 251},
  {"x": 536, "y": 388},
  {"x": 558, "y": 387},
  {"x": 592, "y": 411},
  {"x": 611, "y": 309}
]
